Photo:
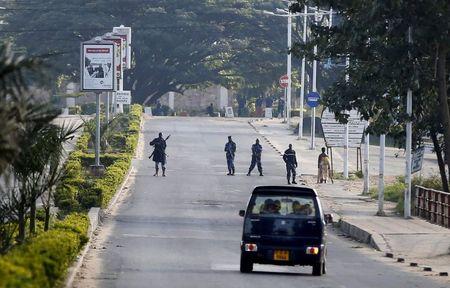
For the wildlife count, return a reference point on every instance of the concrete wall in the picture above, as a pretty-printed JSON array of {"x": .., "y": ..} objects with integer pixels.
[{"x": 198, "y": 99}]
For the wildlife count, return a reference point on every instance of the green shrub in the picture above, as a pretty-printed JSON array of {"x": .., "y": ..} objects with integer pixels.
[{"x": 43, "y": 260}]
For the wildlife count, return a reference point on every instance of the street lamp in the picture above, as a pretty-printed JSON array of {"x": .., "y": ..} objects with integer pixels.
[{"x": 287, "y": 13}]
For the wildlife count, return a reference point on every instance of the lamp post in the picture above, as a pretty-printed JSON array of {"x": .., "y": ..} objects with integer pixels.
[{"x": 287, "y": 13}]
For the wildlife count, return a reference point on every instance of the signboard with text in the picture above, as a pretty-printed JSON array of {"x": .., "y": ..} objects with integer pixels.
[
  {"x": 334, "y": 131},
  {"x": 123, "y": 97},
  {"x": 97, "y": 66}
]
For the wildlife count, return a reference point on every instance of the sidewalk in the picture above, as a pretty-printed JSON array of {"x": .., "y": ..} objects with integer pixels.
[{"x": 415, "y": 240}]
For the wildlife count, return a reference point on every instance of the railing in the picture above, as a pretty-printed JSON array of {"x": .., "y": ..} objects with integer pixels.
[{"x": 433, "y": 205}]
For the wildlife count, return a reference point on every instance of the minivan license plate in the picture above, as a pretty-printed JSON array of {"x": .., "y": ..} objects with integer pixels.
[{"x": 281, "y": 255}]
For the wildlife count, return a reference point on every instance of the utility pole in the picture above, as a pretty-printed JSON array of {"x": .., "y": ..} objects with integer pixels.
[
  {"x": 289, "y": 68},
  {"x": 407, "y": 206},
  {"x": 302, "y": 88},
  {"x": 366, "y": 165},
  {"x": 347, "y": 79},
  {"x": 381, "y": 177},
  {"x": 314, "y": 88}
]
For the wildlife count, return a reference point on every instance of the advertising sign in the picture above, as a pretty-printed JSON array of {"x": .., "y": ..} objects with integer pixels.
[
  {"x": 123, "y": 97},
  {"x": 417, "y": 159},
  {"x": 334, "y": 131},
  {"x": 117, "y": 54},
  {"x": 125, "y": 31},
  {"x": 97, "y": 65},
  {"x": 229, "y": 112}
]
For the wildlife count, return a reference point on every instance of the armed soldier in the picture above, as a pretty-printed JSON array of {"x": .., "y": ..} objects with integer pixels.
[
  {"x": 291, "y": 164},
  {"x": 256, "y": 158},
  {"x": 159, "y": 153},
  {"x": 230, "y": 149}
]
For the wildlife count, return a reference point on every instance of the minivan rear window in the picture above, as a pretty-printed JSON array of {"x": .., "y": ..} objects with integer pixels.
[{"x": 273, "y": 205}]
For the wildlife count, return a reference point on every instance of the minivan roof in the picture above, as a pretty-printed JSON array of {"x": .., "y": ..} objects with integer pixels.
[{"x": 284, "y": 189}]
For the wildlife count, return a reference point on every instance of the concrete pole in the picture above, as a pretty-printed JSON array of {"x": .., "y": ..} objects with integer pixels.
[
  {"x": 107, "y": 107},
  {"x": 407, "y": 206},
  {"x": 347, "y": 78},
  {"x": 302, "y": 88},
  {"x": 285, "y": 106},
  {"x": 289, "y": 68},
  {"x": 313, "y": 116},
  {"x": 97, "y": 131},
  {"x": 366, "y": 165},
  {"x": 314, "y": 89},
  {"x": 381, "y": 177}
]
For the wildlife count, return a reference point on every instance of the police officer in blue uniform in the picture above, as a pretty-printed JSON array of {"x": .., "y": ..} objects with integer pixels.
[
  {"x": 291, "y": 164},
  {"x": 256, "y": 158},
  {"x": 230, "y": 150}
]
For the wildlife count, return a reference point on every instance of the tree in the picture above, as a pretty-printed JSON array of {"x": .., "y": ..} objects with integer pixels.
[
  {"x": 176, "y": 44},
  {"x": 383, "y": 65}
]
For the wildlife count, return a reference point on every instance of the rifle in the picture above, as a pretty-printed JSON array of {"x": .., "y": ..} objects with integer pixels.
[{"x": 151, "y": 155}]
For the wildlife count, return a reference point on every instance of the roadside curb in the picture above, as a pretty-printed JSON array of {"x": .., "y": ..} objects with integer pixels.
[
  {"x": 361, "y": 235},
  {"x": 95, "y": 216}
]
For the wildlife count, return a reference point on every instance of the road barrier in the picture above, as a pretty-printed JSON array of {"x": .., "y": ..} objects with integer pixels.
[{"x": 433, "y": 205}]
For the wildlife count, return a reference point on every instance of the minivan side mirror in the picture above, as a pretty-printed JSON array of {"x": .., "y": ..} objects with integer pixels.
[
  {"x": 242, "y": 213},
  {"x": 328, "y": 218}
]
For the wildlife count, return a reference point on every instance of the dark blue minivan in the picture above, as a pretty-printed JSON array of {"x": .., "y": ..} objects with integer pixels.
[{"x": 284, "y": 225}]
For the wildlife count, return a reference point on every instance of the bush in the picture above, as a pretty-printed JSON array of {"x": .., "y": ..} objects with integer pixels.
[
  {"x": 43, "y": 261},
  {"x": 80, "y": 191}
]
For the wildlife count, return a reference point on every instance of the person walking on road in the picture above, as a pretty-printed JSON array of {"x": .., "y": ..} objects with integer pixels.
[
  {"x": 230, "y": 150},
  {"x": 323, "y": 164},
  {"x": 291, "y": 164},
  {"x": 256, "y": 158},
  {"x": 159, "y": 153}
]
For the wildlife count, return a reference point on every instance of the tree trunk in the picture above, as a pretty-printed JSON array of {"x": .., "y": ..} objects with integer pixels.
[
  {"x": 33, "y": 217},
  {"x": 22, "y": 223},
  {"x": 441, "y": 163},
  {"x": 47, "y": 218},
  {"x": 443, "y": 100}
]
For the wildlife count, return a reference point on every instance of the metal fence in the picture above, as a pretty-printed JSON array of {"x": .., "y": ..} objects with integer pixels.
[{"x": 433, "y": 205}]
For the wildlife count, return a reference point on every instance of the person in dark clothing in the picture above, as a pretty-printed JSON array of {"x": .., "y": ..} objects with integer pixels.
[
  {"x": 291, "y": 164},
  {"x": 256, "y": 158},
  {"x": 230, "y": 150},
  {"x": 210, "y": 110},
  {"x": 159, "y": 153}
]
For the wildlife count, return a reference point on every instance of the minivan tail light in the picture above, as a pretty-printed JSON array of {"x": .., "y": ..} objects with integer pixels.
[
  {"x": 312, "y": 250},
  {"x": 251, "y": 247}
]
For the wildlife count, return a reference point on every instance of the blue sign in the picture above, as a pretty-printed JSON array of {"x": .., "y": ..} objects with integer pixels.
[{"x": 312, "y": 99}]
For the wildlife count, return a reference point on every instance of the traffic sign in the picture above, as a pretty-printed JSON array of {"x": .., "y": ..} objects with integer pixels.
[
  {"x": 123, "y": 97},
  {"x": 284, "y": 81},
  {"x": 312, "y": 99},
  {"x": 417, "y": 159}
]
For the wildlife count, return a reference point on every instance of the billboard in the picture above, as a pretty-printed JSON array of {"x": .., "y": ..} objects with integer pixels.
[
  {"x": 97, "y": 66},
  {"x": 334, "y": 131},
  {"x": 117, "y": 53},
  {"x": 125, "y": 33}
]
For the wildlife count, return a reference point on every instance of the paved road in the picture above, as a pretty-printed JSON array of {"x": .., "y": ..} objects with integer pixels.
[{"x": 184, "y": 231}]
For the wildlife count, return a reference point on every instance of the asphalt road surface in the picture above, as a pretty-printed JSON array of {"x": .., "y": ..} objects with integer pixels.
[{"x": 184, "y": 230}]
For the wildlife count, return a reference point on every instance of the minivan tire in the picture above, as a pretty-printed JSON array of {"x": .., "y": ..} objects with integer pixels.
[
  {"x": 318, "y": 269},
  {"x": 246, "y": 264}
]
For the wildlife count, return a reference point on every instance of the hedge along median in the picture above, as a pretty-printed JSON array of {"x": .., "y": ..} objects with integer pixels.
[
  {"x": 44, "y": 259},
  {"x": 80, "y": 191}
]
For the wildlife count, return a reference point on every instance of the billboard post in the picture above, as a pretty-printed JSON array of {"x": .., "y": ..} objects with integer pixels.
[{"x": 98, "y": 69}]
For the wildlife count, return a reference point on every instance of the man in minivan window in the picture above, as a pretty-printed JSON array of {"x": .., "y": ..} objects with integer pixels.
[{"x": 291, "y": 164}]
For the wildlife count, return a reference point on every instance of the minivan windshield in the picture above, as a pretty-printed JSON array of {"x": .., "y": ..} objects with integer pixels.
[{"x": 282, "y": 205}]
